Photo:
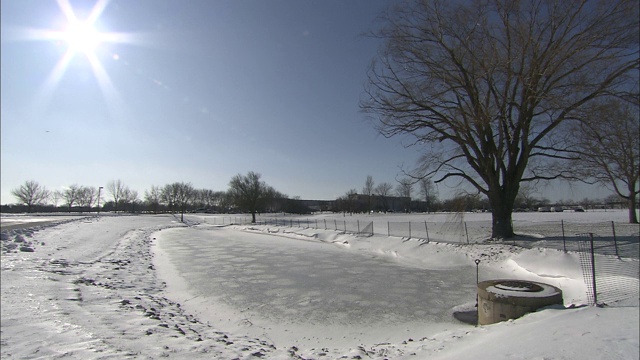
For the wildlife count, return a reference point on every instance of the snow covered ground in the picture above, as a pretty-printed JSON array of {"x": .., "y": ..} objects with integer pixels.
[
  {"x": 17, "y": 221},
  {"x": 149, "y": 287}
]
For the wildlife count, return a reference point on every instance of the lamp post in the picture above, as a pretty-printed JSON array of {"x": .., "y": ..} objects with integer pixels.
[{"x": 99, "y": 189}]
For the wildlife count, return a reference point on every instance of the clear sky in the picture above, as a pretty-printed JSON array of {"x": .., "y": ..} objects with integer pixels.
[{"x": 195, "y": 91}]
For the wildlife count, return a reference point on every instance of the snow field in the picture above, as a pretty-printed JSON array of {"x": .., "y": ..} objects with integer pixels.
[{"x": 106, "y": 289}]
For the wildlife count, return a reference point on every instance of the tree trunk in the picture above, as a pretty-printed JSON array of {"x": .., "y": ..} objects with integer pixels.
[
  {"x": 633, "y": 215},
  {"x": 501, "y": 211},
  {"x": 501, "y": 227},
  {"x": 253, "y": 217}
]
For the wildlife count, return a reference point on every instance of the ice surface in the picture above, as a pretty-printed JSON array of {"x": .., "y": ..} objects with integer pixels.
[{"x": 269, "y": 281}]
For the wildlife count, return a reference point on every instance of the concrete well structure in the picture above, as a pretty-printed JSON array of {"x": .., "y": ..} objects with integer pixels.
[{"x": 500, "y": 300}]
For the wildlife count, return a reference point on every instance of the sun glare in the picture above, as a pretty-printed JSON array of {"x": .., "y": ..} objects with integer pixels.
[{"x": 81, "y": 37}]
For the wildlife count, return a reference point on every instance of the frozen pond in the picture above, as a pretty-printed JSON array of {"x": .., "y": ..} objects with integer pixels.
[{"x": 266, "y": 279}]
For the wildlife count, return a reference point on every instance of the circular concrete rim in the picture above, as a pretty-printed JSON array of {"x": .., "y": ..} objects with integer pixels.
[
  {"x": 518, "y": 286},
  {"x": 548, "y": 294}
]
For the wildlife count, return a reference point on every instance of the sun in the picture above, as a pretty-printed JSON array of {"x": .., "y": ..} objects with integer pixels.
[{"x": 81, "y": 37}]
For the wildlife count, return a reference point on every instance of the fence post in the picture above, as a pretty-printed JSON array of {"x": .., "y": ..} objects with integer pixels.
[
  {"x": 593, "y": 273},
  {"x": 477, "y": 261},
  {"x": 564, "y": 242},
  {"x": 358, "y": 221},
  {"x": 388, "y": 229},
  {"x": 345, "y": 226},
  {"x": 466, "y": 231},
  {"x": 409, "y": 229},
  {"x": 427, "y": 230},
  {"x": 325, "y": 224},
  {"x": 335, "y": 224},
  {"x": 615, "y": 241}
]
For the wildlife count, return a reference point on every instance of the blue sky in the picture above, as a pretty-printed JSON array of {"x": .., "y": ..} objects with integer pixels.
[{"x": 195, "y": 91}]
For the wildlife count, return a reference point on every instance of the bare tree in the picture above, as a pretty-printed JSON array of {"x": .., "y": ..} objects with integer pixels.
[
  {"x": 153, "y": 198},
  {"x": 368, "y": 190},
  {"x": 490, "y": 87},
  {"x": 249, "y": 193},
  {"x": 117, "y": 189},
  {"x": 609, "y": 143},
  {"x": 204, "y": 198},
  {"x": 71, "y": 195},
  {"x": 222, "y": 200},
  {"x": 129, "y": 197},
  {"x": 87, "y": 196},
  {"x": 170, "y": 196},
  {"x": 31, "y": 193},
  {"x": 614, "y": 201},
  {"x": 404, "y": 189},
  {"x": 208, "y": 198},
  {"x": 428, "y": 192},
  {"x": 526, "y": 196},
  {"x": 351, "y": 200},
  {"x": 185, "y": 193},
  {"x": 384, "y": 191},
  {"x": 55, "y": 197},
  {"x": 199, "y": 198}
]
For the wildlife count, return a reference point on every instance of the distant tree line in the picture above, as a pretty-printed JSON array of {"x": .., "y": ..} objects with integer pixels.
[
  {"x": 249, "y": 194},
  {"x": 409, "y": 195},
  {"x": 246, "y": 194}
]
